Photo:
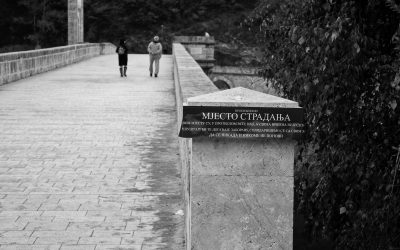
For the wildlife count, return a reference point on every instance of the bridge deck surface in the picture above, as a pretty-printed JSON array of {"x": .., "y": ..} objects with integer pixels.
[{"x": 89, "y": 160}]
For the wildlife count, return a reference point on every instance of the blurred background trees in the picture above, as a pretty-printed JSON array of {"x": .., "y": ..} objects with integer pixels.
[{"x": 26, "y": 24}]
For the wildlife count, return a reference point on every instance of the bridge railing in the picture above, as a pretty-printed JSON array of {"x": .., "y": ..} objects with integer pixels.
[{"x": 19, "y": 65}]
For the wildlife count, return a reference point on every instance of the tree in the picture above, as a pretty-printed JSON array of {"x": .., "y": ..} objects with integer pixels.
[{"x": 340, "y": 61}]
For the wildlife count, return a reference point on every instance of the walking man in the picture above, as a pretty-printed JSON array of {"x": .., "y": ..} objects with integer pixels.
[{"x": 155, "y": 51}]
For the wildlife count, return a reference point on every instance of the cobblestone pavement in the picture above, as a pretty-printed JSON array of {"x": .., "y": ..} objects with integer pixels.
[{"x": 89, "y": 160}]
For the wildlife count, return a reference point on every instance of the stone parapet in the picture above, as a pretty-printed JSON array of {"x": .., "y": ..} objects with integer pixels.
[
  {"x": 194, "y": 40},
  {"x": 235, "y": 70},
  {"x": 18, "y": 65},
  {"x": 238, "y": 192},
  {"x": 190, "y": 80}
]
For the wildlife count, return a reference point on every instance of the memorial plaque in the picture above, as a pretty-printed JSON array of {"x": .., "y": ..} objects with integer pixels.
[{"x": 240, "y": 122}]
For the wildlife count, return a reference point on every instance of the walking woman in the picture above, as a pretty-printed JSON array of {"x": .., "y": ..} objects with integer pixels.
[
  {"x": 122, "y": 52},
  {"x": 155, "y": 51}
]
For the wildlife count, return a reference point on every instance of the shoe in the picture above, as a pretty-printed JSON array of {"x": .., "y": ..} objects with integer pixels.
[
  {"x": 151, "y": 74},
  {"x": 155, "y": 75}
]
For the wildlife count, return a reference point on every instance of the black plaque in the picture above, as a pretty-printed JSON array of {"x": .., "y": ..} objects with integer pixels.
[{"x": 239, "y": 122}]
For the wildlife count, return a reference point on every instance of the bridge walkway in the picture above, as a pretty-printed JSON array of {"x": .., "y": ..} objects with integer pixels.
[{"x": 89, "y": 160}]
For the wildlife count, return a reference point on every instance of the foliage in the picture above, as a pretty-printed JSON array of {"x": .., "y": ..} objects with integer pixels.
[
  {"x": 43, "y": 23},
  {"x": 340, "y": 60},
  {"x": 140, "y": 20},
  {"x": 32, "y": 23}
]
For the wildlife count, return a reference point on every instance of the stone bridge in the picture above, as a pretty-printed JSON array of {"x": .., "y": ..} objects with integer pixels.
[{"x": 90, "y": 160}]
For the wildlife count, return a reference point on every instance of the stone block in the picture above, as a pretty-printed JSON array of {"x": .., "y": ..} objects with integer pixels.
[
  {"x": 194, "y": 40},
  {"x": 241, "y": 212},
  {"x": 242, "y": 157},
  {"x": 78, "y": 247},
  {"x": 120, "y": 247},
  {"x": 45, "y": 226},
  {"x": 30, "y": 247},
  {"x": 14, "y": 241},
  {"x": 54, "y": 240},
  {"x": 100, "y": 240}
]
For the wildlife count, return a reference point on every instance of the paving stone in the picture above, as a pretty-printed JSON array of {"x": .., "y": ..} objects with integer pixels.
[
  {"x": 64, "y": 214},
  {"x": 128, "y": 219},
  {"x": 78, "y": 247},
  {"x": 16, "y": 234},
  {"x": 30, "y": 247},
  {"x": 53, "y": 240},
  {"x": 45, "y": 225},
  {"x": 20, "y": 213},
  {"x": 19, "y": 240},
  {"x": 20, "y": 206},
  {"x": 100, "y": 240},
  {"x": 61, "y": 234},
  {"x": 135, "y": 240},
  {"x": 6, "y": 219},
  {"x": 12, "y": 226},
  {"x": 80, "y": 219},
  {"x": 102, "y": 206},
  {"x": 132, "y": 225},
  {"x": 118, "y": 247},
  {"x": 73, "y": 197},
  {"x": 42, "y": 219},
  {"x": 61, "y": 206},
  {"x": 95, "y": 225},
  {"x": 110, "y": 213},
  {"x": 112, "y": 233},
  {"x": 151, "y": 246}
]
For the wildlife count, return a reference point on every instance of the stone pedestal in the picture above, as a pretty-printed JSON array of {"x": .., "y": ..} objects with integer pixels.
[
  {"x": 241, "y": 190},
  {"x": 75, "y": 22}
]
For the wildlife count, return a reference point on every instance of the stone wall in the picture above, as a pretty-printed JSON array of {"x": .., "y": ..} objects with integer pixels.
[
  {"x": 190, "y": 80},
  {"x": 19, "y": 65}
]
